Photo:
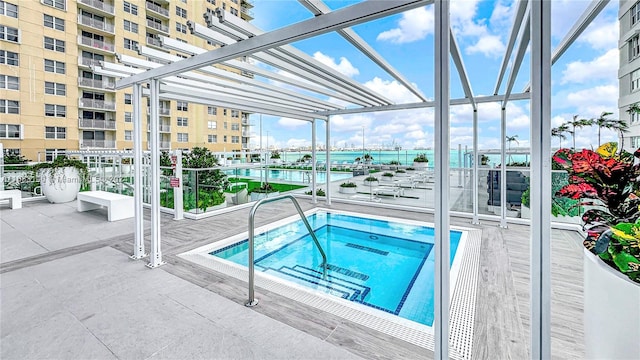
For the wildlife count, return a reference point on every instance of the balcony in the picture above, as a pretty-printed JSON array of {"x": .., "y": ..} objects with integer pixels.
[
  {"x": 245, "y": 146},
  {"x": 245, "y": 121},
  {"x": 103, "y": 144},
  {"x": 84, "y": 61},
  {"x": 163, "y": 128},
  {"x": 96, "y": 124},
  {"x": 97, "y": 104},
  {"x": 163, "y": 145},
  {"x": 157, "y": 26},
  {"x": 151, "y": 41},
  {"x": 158, "y": 10},
  {"x": 96, "y": 44},
  {"x": 246, "y": 134},
  {"x": 103, "y": 7},
  {"x": 96, "y": 24},
  {"x": 162, "y": 111},
  {"x": 105, "y": 84}
]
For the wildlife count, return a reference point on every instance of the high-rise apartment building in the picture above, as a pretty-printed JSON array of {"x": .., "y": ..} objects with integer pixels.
[
  {"x": 51, "y": 101},
  {"x": 629, "y": 69}
]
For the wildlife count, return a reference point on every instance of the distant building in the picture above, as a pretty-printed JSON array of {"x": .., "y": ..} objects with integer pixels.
[
  {"x": 629, "y": 70},
  {"x": 51, "y": 101}
]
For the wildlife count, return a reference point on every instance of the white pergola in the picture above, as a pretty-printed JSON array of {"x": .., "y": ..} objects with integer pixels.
[{"x": 315, "y": 92}]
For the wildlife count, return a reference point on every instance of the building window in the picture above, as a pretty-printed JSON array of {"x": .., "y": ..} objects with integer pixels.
[
  {"x": 212, "y": 2},
  {"x": 181, "y": 56},
  {"x": 54, "y": 44},
  {"x": 128, "y": 135},
  {"x": 634, "y": 47},
  {"x": 127, "y": 99},
  {"x": 9, "y": 131},
  {"x": 53, "y": 22},
  {"x": 9, "y": 58},
  {"x": 130, "y": 44},
  {"x": 183, "y": 106},
  {"x": 128, "y": 116},
  {"x": 51, "y": 154},
  {"x": 212, "y": 124},
  {"x": 55, "y": 110},
  {"x": 131, "y": 26},
  {"x": 183, "y": 137},
  {"x": 635, "y": 13},
  {"x": 635, "y": 80},
  {"x": 212, "y": 110},
  {"x": 183, "y": 121},
  {"x": 224, "y": 138},
  {"x": 130, "y": 8},
  {"x": 224, "y": 112},
  {"x": 235, "y": 139},
  {"x": 55, "y": 132},
  {"x": 225, "y": 125},
  {"x": 212, "y": 139},
  {"x": 8, "y": 33},
  {"x": 8, "y": 9},
  {"x": 235, "y": 113},
  {"x": 233, "y": 11},
  {"x": 9, "y": 107},
  {"x": 60, "y": 4},
  {"x": 54, "y": 66},
  {"x": 9, "y": 82},
  {"x": 181, "y": 12},
  {"x": 52, "y": 88},
  {"x": 235, "y": 127},
  {"x": 181, "y": 28}
]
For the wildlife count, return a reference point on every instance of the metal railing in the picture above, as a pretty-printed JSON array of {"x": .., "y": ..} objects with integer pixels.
[
  {"x": 99, "y": 5},
  {"x": 98, "y": 44},
  {"x": 96, "y": 24},
  {"x": 252, "y": 300},
  {"x": 157, "y": 26},
  {"x": 97, "y": 104},
  {"x": 96, "y": 124},
  {"x": 109, "y": 144},
  {"x": 98, "y": 84},
  {"x": 153, "y": 7},
  {"x": 153, "y": 41},
  {"x": 88, "y": 61}
]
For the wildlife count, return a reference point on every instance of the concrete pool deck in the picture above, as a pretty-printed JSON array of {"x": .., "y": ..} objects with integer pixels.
[{"x": 68, "y": 290}]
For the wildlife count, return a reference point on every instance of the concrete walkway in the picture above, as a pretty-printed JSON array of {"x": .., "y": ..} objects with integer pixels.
[{"x": 65, "y": 293}]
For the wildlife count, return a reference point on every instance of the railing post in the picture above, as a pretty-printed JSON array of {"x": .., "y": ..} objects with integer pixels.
[{"x": 178, "y": 210}]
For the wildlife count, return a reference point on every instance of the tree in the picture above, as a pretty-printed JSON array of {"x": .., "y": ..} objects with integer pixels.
[
  {"x": 612, "y": 124},
  {"x": 577, "y": 123},
  {"x": 559, "y": 132},
  {"x": 511, "y": 139}
]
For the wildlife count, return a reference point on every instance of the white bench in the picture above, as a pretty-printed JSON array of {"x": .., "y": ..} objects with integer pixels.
[
  {"x": 14, "y": 197},
  {"x": 118, "y": 206},
  {"x": 387, "y": 190}
]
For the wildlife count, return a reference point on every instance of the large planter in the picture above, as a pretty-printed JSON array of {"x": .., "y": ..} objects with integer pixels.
[
  {"x": 611, "y": 312},
  {"x": 60, "y": 185},
  {"x": 255, "y": 196},
  {"x": 420, "y": 165},
  {"x": 348, "y": 190},
  {"x": 386, "y": 178},
  {"x": 370, "y": 183}
]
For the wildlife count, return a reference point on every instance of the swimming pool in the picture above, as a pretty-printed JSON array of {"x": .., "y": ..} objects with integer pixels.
[
  {"x": 385, "y": 265},
  {"x": 289, "y": 175}
]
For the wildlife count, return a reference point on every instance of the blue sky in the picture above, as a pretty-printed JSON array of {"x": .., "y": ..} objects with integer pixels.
[{"x": 584, "y": 80}]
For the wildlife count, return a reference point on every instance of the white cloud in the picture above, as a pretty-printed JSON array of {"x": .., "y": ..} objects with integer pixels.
[
  {"x": 488, "y": 45},
  {"x": 601, "y": 36},
  {"x": 344, "y": 66},
  {"x": 414, "y": 25},
  {"x": 593, "y": 101},
  {"x": 296, "y": 143},
  {"x": 291, "y": 123},
  {"x": 602, "y": 67},
  {"x": 564, "y": 14},
  {"x": 392, "y": 90}
]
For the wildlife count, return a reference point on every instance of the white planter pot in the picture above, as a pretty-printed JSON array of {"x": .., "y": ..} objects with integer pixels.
[
  {"x": 525, "y": 212},
  {"x": 210, "y": 208},
  {"x": 257, "y": 196},
  {"x": 61, "y": 185},
  {"x": 611, "y": 312},
  {"x": 420, "y": 165},
  {"x": 348, "y": 190},
  {"x": 370, "y": 183},
  {"x": 401, "y": 174},
  {"x": 386, "y": 178}
]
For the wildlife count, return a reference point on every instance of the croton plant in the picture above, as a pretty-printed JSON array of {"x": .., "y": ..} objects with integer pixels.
[{"x": 606, "y": 181}]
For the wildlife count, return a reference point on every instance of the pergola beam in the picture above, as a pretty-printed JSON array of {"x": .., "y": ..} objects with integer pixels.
[
  {"x": 462, "y": 71},
  {"x": 515, "y": 29},
  {"x": 525, "y": 36},
  {"x": 346, "y": 17}
]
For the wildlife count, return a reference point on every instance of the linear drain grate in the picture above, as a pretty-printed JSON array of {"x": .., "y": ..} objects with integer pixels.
[
  {"x": 347, "y": 272},
  {"x": 365, "y": 248}
]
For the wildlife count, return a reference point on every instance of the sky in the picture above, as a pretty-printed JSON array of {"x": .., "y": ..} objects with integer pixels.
[{"x": 584, "y": 79}]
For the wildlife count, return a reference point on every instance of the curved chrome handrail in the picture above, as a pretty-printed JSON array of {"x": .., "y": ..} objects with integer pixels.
[{"x": 252, "y": 300}]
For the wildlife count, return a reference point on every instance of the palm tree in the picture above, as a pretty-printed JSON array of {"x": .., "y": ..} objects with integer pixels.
[
  {"x": 559, "y": 133},
  {"x": 577, "y": 123},
  {"x": 619, "y": 126},
  {"x": 509, "y": 140}
]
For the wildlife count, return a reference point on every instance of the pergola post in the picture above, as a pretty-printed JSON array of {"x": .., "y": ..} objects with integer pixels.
[
  {"x": 475, "y": 181},
  {"x": 155, "y": 259},
  {"x": 178, "y": 209},
  {"x": 503, "y": 168},
  {"x": 328, "y": 150},
  {"x": 540, "y": 179},
  {"x": 138, "y": 247},
  {"x": 313, "y": 164},
  {"x": 442, "y": 179}
]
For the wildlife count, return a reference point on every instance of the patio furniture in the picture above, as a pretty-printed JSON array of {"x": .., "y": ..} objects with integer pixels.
[
  {"x": 14, "y": 197},
  {"x": 118, "y": 206},
  {"x": 387, "y": 190}
]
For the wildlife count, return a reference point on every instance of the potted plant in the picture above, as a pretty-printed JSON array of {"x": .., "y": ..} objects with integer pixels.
[
  {"x": 387, "y": 176},
  {"x": 371, "y": 181},
  {"x": 368, "y": 158},
  {"x": 606, "y": 181},
  {"x": 265, "y": 190},
  {"x": 484, "y": 160},
  {"x": 61, "y": 179},
  {"x": 210, "y": 184},
  {"x": 275, "y": 157},
  {"x": 319, "y": 192},
  {"x": 401, "y": 172},
  {"x": 410, "y": 169},
  {"x": 348, "y": 187},
  {"x": 420, "y": 161}
]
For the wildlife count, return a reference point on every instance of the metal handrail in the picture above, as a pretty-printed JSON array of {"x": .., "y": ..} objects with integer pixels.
[{"x": 252, "y": 300}]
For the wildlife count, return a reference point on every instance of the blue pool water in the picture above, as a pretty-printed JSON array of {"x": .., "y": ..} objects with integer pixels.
[
  {"x": 382, "y": 264},
  {"x": 288, "y": 175}
]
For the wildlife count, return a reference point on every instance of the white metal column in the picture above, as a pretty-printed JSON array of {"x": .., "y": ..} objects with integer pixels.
[
  {"x": 328, "y": 150},
  {"x": 138, "y": 183},
  {"x": 314, "y": 198},
  {"x": 178, "y": 208},
  {"x": 155, "y": 259},
  {"x": 442, "y": 178},
  {"x": 503, "y": 168},
  {"x": 540, "y": 179},
  {"x": 475, "y": 181}
]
